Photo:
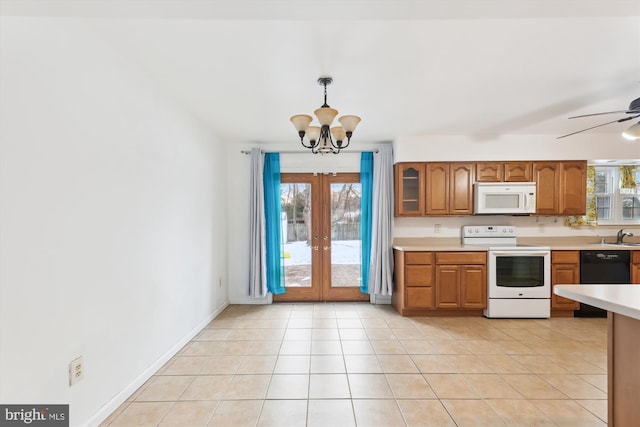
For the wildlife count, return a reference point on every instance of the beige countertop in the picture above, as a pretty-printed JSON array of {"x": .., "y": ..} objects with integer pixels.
[
  {"x": 439, "y": 247},
  {"x": 621, "y": 299},
  {"x": 555, "y": 243}
]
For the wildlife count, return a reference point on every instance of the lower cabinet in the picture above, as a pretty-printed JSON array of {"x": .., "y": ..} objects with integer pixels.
[
  {"x": 435, "y": 282},
  {"x": 635, "y": 267},
  {"x": 461, "y": 280},
  {"x": 565, "y": 269}
]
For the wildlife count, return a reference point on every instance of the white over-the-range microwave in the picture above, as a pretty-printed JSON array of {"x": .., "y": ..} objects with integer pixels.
[{"x": 507, "y": 198}]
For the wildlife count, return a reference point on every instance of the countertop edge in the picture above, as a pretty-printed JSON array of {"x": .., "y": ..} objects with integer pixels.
[
  {"x": 605, "y": 296},
  {"x": 554, "y": 247},
  {"x": 441, "y": 247}
]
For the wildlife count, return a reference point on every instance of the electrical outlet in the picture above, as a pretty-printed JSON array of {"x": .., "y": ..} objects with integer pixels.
[
  {"x": 540, "y": 228},
  {"x": 437, "y": 228},
  {"x": 76, "y": 370}
]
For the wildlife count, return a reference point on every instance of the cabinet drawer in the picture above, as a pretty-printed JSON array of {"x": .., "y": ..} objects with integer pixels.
[
  {"x": 419, "y": 297},
  {"x": 418, "y": 275},
  {"x": 461, "y": 258},
  {"x": 418, "y": 257},
  {"x": 565, "y": 257}
]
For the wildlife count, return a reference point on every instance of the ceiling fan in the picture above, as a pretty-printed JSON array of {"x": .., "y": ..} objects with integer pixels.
[{"x": 633, "y": 112}]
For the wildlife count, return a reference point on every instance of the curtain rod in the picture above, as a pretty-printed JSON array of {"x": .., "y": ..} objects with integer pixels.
[{"x": 375, "y": 150}]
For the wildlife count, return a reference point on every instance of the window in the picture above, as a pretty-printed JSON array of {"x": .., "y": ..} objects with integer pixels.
[{"x": 617, "y": 194}]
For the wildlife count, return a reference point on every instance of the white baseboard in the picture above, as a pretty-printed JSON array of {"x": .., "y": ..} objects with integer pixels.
[
  {"x": 374, "y": 299},
  {"x": 255, "y": 301},
  {"x": 121, "y": 397}
]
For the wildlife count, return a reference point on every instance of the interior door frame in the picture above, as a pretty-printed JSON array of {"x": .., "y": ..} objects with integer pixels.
[{"x": 321, "y": 289}]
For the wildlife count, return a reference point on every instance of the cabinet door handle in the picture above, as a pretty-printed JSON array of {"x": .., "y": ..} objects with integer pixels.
[
  {"x": 326, "y": 248},
  {"x": 315, "y": 248}
]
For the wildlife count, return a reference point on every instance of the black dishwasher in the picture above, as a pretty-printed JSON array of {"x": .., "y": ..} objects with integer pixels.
[{"x": 602, "y": 267}]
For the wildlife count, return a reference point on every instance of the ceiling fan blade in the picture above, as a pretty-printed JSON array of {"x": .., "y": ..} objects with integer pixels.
[
  {"x": 608, "y": 112},
  {"x": 602, "y": 124}
]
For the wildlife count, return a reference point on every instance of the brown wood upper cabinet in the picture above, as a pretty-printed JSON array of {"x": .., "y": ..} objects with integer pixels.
[
  {"x": 434, "y": 189},
  {"x": 561, "y": 187},
  {"x": 503, "y": 171},
  {"x": 446, "y": 188},
  {"x": 449, "y": 188},
  {"x": 573, "y": 188},
  {"x": 409, "y": 188}
]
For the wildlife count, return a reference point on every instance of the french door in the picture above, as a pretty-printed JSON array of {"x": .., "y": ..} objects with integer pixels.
[{"x": 321, "y": 237}]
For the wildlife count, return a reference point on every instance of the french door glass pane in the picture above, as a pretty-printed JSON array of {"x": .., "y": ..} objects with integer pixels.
[
  {"x": 345, "y": 234},
  {"x": 296, "y": 233}
]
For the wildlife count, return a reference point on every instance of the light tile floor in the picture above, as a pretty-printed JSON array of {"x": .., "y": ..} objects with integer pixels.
[{"x": 356, "y": 364}]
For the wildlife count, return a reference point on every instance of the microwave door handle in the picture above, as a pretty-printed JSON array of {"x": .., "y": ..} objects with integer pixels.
[
  {"x": 526, "y": 201},
  {"x": 530, "y": 199}
]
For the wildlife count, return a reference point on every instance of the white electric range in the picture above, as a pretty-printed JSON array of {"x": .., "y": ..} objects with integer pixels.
[{"x": 518, "y": 276}]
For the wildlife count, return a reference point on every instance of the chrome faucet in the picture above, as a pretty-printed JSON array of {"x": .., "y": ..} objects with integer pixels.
[{"x": 621, "y": 235}]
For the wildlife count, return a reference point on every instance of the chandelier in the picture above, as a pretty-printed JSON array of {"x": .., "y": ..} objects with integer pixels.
[{"x": 324, "y": 138}]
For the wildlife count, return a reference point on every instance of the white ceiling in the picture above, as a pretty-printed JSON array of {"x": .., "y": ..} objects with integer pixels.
[{"x": 475, "y": 67}]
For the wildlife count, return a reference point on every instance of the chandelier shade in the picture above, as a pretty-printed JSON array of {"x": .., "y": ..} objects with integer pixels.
[
  {"x": 313, "y": 133},
  {"x": 301, "y": 122},
  {"x": 324, "y": 138},
  {"x": 326, "y": 115},
  {"x": 349, "y": 123},
  {"x": 338, "y": 133}
]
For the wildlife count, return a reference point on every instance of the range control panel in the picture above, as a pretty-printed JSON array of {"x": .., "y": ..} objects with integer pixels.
[{"x": 488, "y": 231}]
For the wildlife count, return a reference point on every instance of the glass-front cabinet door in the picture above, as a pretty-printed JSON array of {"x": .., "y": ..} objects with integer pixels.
[{"x": 409, "y": 183}]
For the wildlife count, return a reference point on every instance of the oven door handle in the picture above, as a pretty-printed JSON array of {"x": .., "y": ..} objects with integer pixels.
[{"x": 520, "y": 253}]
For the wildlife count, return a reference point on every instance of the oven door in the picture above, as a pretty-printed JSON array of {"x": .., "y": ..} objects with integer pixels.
[{"x": 519, "y": 274}]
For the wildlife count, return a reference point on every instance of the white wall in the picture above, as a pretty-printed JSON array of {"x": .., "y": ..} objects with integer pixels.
[
  {"x": 113, "y": 231},
  {"x": 433, "y": 148}
]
